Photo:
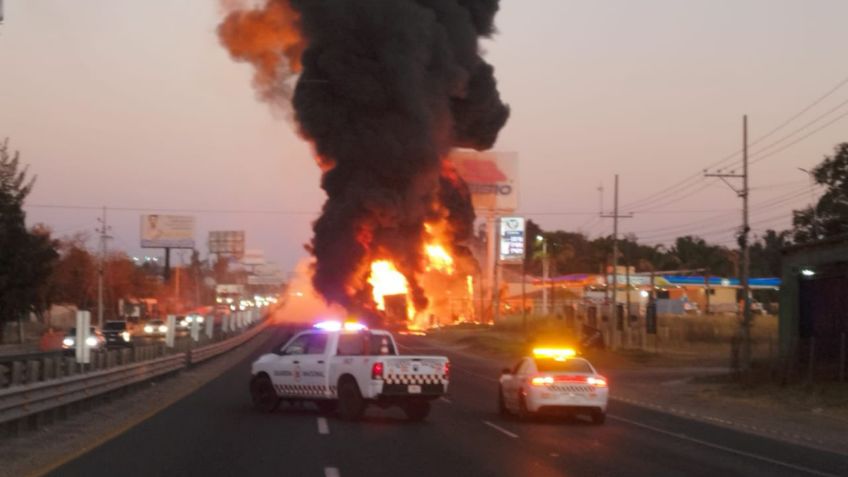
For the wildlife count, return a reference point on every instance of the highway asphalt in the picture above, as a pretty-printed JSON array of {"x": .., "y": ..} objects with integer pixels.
[{"x": 214, "y": 431}]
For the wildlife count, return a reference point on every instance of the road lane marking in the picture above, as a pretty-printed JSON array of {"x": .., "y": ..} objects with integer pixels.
[
  {"x": 332, "y": 472},
  {"x": 684, "y": 437},
  {"x": 323, "y": 427},
  {"x": 444, "y": 399},
  {"x": 501, "y": 429}
]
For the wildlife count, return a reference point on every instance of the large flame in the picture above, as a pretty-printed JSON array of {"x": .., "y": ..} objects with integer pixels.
[
  {"x": 385, "y": 279},
  {"x": 438, "y": 259}
]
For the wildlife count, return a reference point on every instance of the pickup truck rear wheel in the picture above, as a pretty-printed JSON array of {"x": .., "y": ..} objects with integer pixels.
[
  {"x": 263, "y": 395},
  {"x": 416, "y": 410},
  {"x": 351, "y": 404}
]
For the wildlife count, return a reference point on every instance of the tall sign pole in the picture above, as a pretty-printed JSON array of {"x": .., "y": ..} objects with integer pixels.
[
  {"x": 614, "y": 315},
  {"x": 744, "y": 193}
]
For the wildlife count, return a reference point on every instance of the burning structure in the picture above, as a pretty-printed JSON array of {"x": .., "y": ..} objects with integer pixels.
[{"x": 383, "y": 89}]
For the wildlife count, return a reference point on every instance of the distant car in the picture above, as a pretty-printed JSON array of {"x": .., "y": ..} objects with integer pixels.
[
  {"x": 184, "y": 322},
  {"x": 117, "y": 334},
  {"x": 96, "y": 340},
  {"x": 553, "y": 381},
  {"x": 155, "y": 328}
]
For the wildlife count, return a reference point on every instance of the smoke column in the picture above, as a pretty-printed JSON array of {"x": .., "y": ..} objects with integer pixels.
[{"x": 385, "y": 89}]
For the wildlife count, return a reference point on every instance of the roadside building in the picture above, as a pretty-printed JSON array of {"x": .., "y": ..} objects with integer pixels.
[{"x": 814, "y": 305}]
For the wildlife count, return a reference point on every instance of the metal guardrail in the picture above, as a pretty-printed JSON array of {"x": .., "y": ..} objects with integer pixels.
[
  {"x": 20, "y": 401},
  {"x": 198, "y": 355}
]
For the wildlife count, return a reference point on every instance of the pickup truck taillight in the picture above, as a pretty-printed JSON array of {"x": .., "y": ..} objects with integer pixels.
[
  {"x": 447, "y": 369},
  {"x": 377, "y": 371}
]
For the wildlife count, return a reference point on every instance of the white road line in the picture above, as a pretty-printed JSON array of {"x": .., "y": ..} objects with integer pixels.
[
  {"x": 332, "y": 472},
  {"x": 501, "y": 429},
  {"x": 323, "y": 427},
  {"x": 444, "y": 399},
  {"x": 799, "y": 468}
]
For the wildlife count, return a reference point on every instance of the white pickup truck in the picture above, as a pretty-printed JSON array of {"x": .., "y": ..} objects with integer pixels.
[{"x": 346, "y": 367}]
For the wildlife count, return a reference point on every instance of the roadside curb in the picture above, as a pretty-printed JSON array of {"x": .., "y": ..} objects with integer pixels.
[{"x": 794, "y": 438}]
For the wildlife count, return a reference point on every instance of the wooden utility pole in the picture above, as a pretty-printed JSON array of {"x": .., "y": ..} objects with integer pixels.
[
  {"x": 103, "y": 231},
  {"x": 615, "y": 216},
  {"x": 743, "y": 245}
]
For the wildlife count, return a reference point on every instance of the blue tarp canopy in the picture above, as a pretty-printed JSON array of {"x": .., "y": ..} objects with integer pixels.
[{"x": 719, "y": 281}]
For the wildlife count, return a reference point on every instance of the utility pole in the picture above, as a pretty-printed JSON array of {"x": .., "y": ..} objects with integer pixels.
[
  {"x": 545, "y": 273},
  {"x": 103, "y": 231},
  {"x": 744, "y": 193},
  {"x": 615, "y": 216}
]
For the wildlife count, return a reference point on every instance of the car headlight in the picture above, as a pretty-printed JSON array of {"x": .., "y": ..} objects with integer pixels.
[
  {"x": 91, "y": 341},
  {"x": 200, "y": 319},
  {"x": 125, "y": 335},
  {"x": 68, "y": 341},
  {"x": 148, "y": 329},
  {"x": 163, "y": 329}
]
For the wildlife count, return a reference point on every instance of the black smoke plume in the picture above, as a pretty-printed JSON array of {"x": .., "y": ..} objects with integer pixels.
[{"x": 386, "y": 89}]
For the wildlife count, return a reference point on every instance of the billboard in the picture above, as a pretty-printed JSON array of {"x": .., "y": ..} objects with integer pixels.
[
  {"x": 227, "y": 242},
  {"x": 512, "y": 239},
  {"x": 492, "y": 178},
  {"x": 253, "y": 256},
  {"x": 167, "y": 231}
]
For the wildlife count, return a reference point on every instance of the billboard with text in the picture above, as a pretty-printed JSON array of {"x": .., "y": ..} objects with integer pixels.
[
  {"x": 167, "y": 231},
  {"x": 492, "y": 178}
]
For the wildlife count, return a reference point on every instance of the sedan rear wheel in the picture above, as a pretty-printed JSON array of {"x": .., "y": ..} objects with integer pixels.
[
  {"x": 502, "y": 410},
  {"x": 523, "y": 413}
]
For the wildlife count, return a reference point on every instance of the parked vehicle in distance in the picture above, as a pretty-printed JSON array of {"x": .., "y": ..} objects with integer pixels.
[
  {"x": 117, "y": 334},
  {"x": 96, "y": 340}
]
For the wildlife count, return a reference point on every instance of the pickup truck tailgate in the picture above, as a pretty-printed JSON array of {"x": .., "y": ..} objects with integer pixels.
[{"x": 415, "y": 375}]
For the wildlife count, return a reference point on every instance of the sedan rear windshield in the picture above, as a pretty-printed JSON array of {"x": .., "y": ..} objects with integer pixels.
[
  {"x": 115, "y": 326},
  {"x": 567, "y": 366}
]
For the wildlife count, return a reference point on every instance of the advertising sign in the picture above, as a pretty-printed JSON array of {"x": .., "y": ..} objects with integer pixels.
[
  {"x": 167, "y": 231},
  {"x": 512, "y": 239},
  {"x": 253, "y": 257},
  {"x": 228, "y": 243},
  {"x": 492, "y": 178}
]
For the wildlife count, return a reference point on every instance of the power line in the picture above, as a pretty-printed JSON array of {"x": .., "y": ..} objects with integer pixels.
[
  {"x": 159, "y": 209},
  {"x": 690, "y": 180}
]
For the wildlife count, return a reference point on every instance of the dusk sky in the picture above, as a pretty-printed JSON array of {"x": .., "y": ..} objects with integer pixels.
[{"x": 135, "y": 106}]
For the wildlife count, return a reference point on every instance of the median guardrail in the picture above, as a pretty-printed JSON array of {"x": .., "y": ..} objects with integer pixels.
[
  {"x": 197, "y": 355},
  {"x": 18, "y": 402},
  {"x": 64, "y": 384}
]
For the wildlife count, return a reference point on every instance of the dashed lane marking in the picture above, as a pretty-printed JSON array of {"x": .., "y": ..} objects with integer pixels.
[
  {"x": 501, "y": 429},
  {"x": 749, "y": 455},
  {"x": 332, "y": 472},
  {"x": 323, "y": 427},
  {"x": 446, "y": 400}
]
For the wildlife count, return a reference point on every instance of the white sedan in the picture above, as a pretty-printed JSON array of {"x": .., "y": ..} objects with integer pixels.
[{"x": 553, "y": 381}]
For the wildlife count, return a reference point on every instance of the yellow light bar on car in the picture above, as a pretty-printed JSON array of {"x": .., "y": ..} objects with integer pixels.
[{"x": 560, "y": 354}]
